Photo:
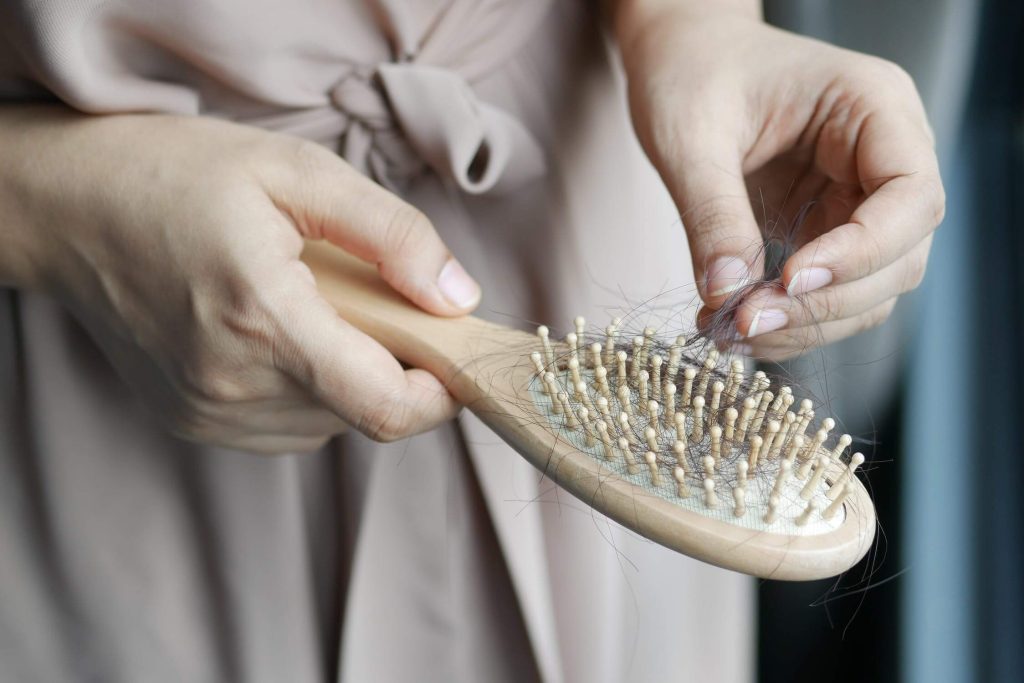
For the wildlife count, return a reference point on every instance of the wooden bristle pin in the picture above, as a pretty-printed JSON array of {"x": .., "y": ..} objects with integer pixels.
[
  {"x": 651, "y": 435},
  {"x": 675, "y": 355},
  {"x": 709, "y": 465},
  {"x": 837, "y": 503},
  {"x": 634, "y": 361},
  {"x": 771, "y": 431},
  {"x": 776, "y": 407},
  {"x": 815, "y": 445},
  {"x": 595, "y": 355},
  {"x": 844, "y": 441},
  {"x": 574, "y": 371},
  {"x": 625, "y": 400},
  {"x": 632, "y": 466},
  {"x": 679, "y": 450},
  {"x": 545, "y": 340},
  {"x": 626, "y": 427},
  {"x": 773, "y": 509},
  {"x": 588, "y": 428},
  {"x": 815, "y": 481},
  {"x": 604, "y": 408},
  {"x": 581, "y": 329},
  {"x": 735, "y": 382},
  {"x": 538, "y": 363},
  {"x": 716, "y": 442},
  {"x": 583, "y": 396},
  {"x": 620, "y": 369},
  {"x": 682, "y": 490},
  {"x": 642, "y": 381},
  {"x": 656, "y": 362},
  {"x": 681, "y": 426},
  {"x": 697, "y": 434},
  {"x": 652, "y": 465},
  {"x": 780, "y": 440},
  {"x": 762, "y": 409},
  {"x": 741, "y": 473},
  {"x": 805, "y": 469},
  {"x": 610, "y": 333},
  {"x": 730, "y": 424},
  {"x": 606, "y": 440},
  {"x": 574, "y": 353},
  {"x": 808, "y": 513},
  {"x": 716, "y": 399},
  {"x": 795, "y": 446},
  {"x": 654, "y": 413},
  {"x": 785, "y": 470},
  {"x": 622, "y": 447},
  {"x": 749, "y": 406},
  {"x": 739, "y": 495},
  {"x": 755, "y": 450},
  {"x": 570, "y": 418},
  {"x": 708, "y": 370},
  {"x": 601, "y": 379},
  {"x": 828, "y": 424},
  {"x": 710, "y": 499},
  {"x": 856, "y": 461},
  {"x": 646, "y": 349},
  {"x": 688, "y": 375},
  {"x": 670, "y": 404}
]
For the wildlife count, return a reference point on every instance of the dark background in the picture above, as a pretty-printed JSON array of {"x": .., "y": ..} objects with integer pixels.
[{"x": 943, "y": 599}]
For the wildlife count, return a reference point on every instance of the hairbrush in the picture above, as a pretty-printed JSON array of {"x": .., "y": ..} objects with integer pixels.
[{"x": 668, "y": 438}]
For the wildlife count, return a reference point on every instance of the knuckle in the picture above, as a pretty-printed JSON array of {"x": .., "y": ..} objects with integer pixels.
[
  {"x": 404, "y": 227},
  {"x": 828, "y": 305},
  {"x": 916, "y": 267},
  {"x": 938, "y": 204},
  {"x": 385, "y": 421},
  {"x": 877, "y": 316},
  {"x": 309, "y": 158},
  {"x": 209, "y": 383}
]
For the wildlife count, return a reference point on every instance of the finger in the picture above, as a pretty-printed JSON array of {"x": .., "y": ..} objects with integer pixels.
[
  {"x": 770, "y": 308},
  {"x": 789, "y": 343},
  {"x": 330, "y": 200},
  {"x": 906, "y": 202},
  {"x": 705, "y": 178},
  {"x": 354, "y": 376}
]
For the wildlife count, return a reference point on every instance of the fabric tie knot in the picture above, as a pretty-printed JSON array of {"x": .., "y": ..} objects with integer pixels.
[{"x": 404, "y": 117}]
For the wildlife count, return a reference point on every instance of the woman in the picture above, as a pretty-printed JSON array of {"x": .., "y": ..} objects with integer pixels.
[{"x": 154, "y": 211}]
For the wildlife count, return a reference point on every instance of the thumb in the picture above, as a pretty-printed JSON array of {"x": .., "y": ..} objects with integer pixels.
[
  {"x": 336, "y": 203},
  {"x": 707, "y": 185}
]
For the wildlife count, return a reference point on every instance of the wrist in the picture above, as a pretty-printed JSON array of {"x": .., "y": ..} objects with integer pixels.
[{"x": 632, "y": 19}]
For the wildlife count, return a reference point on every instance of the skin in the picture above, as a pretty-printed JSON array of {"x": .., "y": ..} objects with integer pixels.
[
  {"x": 176, "y": 240},
  {"x": 738, "y": 117}
]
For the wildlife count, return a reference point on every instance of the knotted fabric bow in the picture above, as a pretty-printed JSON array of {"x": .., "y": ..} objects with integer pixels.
[{"x": 404, "y": 117}]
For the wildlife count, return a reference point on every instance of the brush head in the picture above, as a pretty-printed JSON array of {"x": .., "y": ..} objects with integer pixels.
[{"x": 688, "y": 448}]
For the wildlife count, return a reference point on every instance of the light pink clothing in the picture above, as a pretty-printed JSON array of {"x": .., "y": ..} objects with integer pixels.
[{"x": 127, "y": 555}]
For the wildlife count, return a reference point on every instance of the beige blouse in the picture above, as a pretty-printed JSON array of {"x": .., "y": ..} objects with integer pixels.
[{"x": 128, "y": 555}]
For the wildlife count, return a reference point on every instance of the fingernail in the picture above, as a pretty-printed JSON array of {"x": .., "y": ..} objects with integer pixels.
[
  {"x": 457, "y": 286},
  {"x": 727, "y": 275},
  {"x": 767, "y": 320},
  {"x": 808, "y": 280}
]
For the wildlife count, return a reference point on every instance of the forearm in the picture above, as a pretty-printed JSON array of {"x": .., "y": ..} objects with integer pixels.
[
  {"x": 29, "y": 185},
  {"x": 630, "y": 18}
]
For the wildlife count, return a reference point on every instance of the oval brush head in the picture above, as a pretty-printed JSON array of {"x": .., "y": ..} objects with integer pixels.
[
  {"x": 697, "y": 454},
  {"x": 680, "y": 445}
]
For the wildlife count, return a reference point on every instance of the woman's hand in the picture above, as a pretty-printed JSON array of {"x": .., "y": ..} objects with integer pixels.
[
  {"x": 739, "y": 118},
  {"x": 177, "y": 240}
]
